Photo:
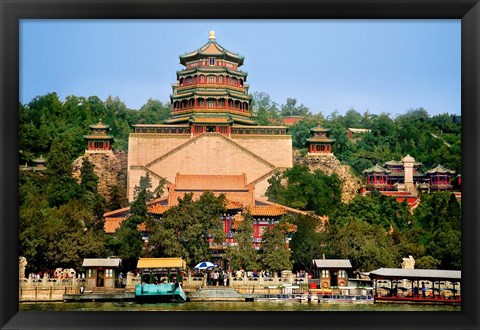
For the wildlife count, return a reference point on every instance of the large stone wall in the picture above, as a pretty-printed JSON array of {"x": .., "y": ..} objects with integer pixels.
[{"x": 207, "y": 154}]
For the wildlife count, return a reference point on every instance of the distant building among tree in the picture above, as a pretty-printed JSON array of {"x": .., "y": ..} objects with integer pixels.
[
  {"x": 356, "y": 132},
  {"x": 290, "y": 120},
  {"x": 403, "y": 179}
]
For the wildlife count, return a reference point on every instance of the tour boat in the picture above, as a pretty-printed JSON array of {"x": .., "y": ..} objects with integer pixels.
[{"x": 161, "y": 280}]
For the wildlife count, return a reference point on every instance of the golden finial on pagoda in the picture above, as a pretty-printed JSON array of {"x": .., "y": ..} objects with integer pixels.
[{"x": 212, "y": 35}]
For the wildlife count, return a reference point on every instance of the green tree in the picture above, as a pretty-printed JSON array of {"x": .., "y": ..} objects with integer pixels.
[
  {"x": 126, "y": 243},
  {"x": 305, "y": 190},
  {"x": 290, "y": 108},
  {"x": 89, "y": 180},
  {"x": 274, "y": 254},
  {"x": 118, "y": 199},
  {"x": 300, "y": 131},
  {"x": 367, "y": 246},
  {"x": 264, "y": 110},
  {"x": 427, "y": 262},
  {"x": 189, "y": 228},
  {"x": 153, "y": 112},
  {"x": 243, "y": 255},
  {"x": 308, "y": 242}
]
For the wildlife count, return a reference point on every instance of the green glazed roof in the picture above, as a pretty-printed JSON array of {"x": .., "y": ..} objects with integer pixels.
[
  {"x": 211, "y": 69},
  {"x": 39, "y": 159},
  {"x": 206, "y": 92},
  {"x": 440, "y": 169},
  {"x": 211, "y": 49},
  {"x": 98, "y": 137},
  {"x": 399, "y": 163},
  {"x": 99, "y": 125},
  {"x": 320, "y": 130},
  {"x": 320, "y": 139},
  {"x": 376, "y": 169}
]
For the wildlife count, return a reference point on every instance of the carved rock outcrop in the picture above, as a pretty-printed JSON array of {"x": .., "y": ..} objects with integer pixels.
[
  {"x": 329, "y": 164},
  {"x": 110, "y": 168}
]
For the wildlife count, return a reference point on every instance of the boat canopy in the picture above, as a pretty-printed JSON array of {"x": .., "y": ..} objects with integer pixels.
[{"x": 161, "y": 263}]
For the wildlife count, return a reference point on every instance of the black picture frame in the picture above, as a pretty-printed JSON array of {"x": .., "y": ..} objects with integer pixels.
[{"x": 13, "y": 10}]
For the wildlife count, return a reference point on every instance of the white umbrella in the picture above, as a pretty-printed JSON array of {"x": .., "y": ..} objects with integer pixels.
[{"x": 205, "y": 265}]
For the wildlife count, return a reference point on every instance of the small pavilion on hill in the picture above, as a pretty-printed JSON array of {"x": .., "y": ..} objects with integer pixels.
[
  {"x": 98, "y": 141},
  {"x": 320, "y": 143}
]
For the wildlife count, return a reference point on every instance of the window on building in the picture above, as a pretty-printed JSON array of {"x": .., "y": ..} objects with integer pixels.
[
  {"x": 211, "y": 79},
  {"x": 210, "y": 104},
  {"x": 220, "y": 79},
  {"x": 109, "y": 272},
  {"x": 324, "y": 273},
  {"x": 212, "y": 61}
]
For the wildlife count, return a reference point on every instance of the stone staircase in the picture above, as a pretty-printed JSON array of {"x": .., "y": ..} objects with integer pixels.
[{"x": 216, "y": 294}]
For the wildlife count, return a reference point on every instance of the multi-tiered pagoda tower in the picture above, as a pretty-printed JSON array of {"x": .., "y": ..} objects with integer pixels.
[
  {"x": 211, "y": 130},
  {"x": 211, "y": 94}
]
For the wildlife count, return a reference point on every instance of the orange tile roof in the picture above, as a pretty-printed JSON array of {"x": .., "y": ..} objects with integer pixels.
[
  {"x": 291, "y": 120},
  {"x": 111, "y": 224},
  {"x": 267, "y": 210},
  {"x": 231, "y": 205},
  {"x": 158, "y": 209},
  {"x": 114, "y": 212},
  {"x": 211, "y": 49},
  {"x": 210, "y": 182}
]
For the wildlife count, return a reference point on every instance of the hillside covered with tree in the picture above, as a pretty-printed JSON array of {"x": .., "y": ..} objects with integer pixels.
[{"x": 61, "y": 219}]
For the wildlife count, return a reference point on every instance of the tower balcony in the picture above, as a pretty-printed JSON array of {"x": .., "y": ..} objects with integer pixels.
[
  {"x": 181, "y": 88},
  {"x": 441, "y": 186},
  {"x": 218, "y": 109}
]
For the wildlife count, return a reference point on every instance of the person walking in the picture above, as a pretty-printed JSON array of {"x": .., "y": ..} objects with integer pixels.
[
  {"x": 212, "y": 278},
  {"x": 225, "y": 279},
  {"x": 215, "y": 278}
]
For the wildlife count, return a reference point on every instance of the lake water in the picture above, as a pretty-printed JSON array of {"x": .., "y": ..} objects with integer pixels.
[{"x": 231, "y": 306}]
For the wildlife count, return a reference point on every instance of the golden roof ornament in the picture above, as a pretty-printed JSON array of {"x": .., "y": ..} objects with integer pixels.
[{"x": 212, "y": 35}]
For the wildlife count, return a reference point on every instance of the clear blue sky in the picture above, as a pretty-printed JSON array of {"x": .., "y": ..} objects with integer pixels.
[{"x": 376, "y": 65}]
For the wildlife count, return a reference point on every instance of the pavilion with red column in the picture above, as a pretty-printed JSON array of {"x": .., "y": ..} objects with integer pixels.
[{"x": 320, "y": 143}]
